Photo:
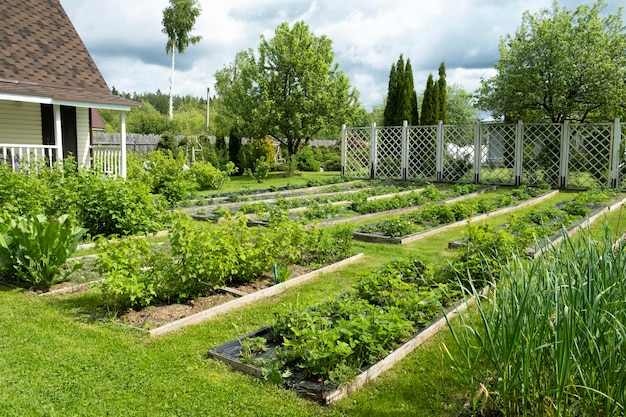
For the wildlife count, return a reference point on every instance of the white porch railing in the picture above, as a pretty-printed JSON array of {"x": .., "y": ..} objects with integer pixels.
[
  {"x": 107, "y": 159},
  {"x": 23, "y": 157}
]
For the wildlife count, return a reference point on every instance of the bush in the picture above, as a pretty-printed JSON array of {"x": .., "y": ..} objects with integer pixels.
[
  {"x": 208, "y": 177},
  {"x": 306, "y": 161},
  {"x": 35, "y": 249}
]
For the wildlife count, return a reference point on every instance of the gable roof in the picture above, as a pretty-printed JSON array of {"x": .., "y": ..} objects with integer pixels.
[
  {"x": 96, "y": 120},
  {"x": 43, "y": 59}
]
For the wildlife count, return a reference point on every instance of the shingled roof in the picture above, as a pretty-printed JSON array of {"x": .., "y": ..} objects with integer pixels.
[{"x": 43, "y": 57}]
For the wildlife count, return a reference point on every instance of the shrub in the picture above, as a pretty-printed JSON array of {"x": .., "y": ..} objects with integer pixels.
[{"x": 306, "y": 160}]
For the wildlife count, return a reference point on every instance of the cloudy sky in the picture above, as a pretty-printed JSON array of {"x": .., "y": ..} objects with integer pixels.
[{"x": 125, "y": 38}]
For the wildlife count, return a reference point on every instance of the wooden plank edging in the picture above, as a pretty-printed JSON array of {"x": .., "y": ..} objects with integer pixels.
[{"x": 250, "y": 298}]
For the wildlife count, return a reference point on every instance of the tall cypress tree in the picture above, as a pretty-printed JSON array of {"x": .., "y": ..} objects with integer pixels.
[
  {"x": 442, "y": 102},
  {"x": 429, "y": 106},
  {"x": 401, "y": 101},
  {"x": 411, "y": 112},
  {"x": 392, "y": 97}
]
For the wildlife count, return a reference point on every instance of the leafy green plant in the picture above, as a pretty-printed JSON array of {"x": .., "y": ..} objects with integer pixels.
[
  {"x": 251, "y": 347},
  {"x": 35, "y": 249},
  {"x": 334, "y": 341}
]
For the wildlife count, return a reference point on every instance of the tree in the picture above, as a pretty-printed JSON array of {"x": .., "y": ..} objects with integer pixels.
[
  {"x": 561, "y": 64},
  {"x": 460, "y": 109},
  {"x": 442, "y": 107},
  {"x": 291, "y": 89},
  {"x": 401, "y": 103},
  {"x": 429, "y": 103},
  {"x": 178, "y": 20}
]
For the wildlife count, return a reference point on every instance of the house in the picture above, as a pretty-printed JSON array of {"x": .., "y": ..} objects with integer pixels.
[{"x": 49, "y": 84}]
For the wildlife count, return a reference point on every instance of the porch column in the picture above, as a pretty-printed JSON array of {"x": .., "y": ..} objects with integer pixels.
[
  {"x": 58, "y": 131},
  {"x": 123, "y": 144}
]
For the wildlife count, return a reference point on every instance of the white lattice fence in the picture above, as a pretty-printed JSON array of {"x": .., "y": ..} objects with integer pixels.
[
  {"x": 590, "y": 154},
  {"x": 357, "y": 152},
  {"x": 574, "y": 155},
  {"x": 388, "y": 153},
  {"x": 541, "y": 154},
  {"x": 497, "y": 148},
  {"x": 459, "y": 151},
  {"x": 422, "y": 153}
]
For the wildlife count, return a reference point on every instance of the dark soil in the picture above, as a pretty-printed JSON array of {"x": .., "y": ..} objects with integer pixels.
[{"x": 159, "y": 315}]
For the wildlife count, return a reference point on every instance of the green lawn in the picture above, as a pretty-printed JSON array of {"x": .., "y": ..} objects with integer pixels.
[{"x": 57, "y": 362}]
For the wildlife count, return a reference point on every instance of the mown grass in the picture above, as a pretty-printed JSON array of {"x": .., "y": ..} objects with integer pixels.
[{"x": 55, "y": 361}]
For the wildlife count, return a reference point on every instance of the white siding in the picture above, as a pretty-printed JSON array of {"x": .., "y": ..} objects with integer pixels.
[
  {"x": 20, "y": 123},
  {"x": 82, "y": 132}
]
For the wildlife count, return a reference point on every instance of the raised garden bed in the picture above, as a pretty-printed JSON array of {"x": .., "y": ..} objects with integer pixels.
[
  {"x": 326, "y": 351},
  {"x": 326, "y": 394},
  {"x": 380, "y": 238},
  {"x": 596, "y": 211},
  {"x": 229, "y": 302}
]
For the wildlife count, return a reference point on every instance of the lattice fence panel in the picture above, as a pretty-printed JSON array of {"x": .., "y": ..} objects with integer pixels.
[
  {"x": 541, "y": 154},
  {"x": 497, "y": 154},
  {"x": 422, "y": 153},
  {"x": 458, "y": 146},
  {"x": 358, "y": 152},
  {"x": 389, "y": 153},
  {"x": 590, "y": 155}
]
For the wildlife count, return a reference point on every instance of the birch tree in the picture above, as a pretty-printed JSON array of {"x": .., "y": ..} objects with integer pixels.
[{"x": 178, "y": 21}]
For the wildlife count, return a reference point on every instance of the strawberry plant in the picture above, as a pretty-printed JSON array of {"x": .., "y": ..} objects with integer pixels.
[{"x": 332, "y": 342}]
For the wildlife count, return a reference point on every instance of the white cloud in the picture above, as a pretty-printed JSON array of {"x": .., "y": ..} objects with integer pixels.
[{"x": 368, "y": 36}]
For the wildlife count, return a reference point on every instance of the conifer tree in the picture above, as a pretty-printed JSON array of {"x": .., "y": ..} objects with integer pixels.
[
  {"x": 442, "y": 102},
  {"x": 401, "y": 101},
  {"x": 428, "y": 116},
  {"x": 392, "y": 97}
]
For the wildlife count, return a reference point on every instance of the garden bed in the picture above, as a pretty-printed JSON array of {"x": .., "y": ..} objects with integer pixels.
[
  {"x": 227, "y": 302},
  {"x": 326, "y": 394},
  {"x": 379, "y": 238}
]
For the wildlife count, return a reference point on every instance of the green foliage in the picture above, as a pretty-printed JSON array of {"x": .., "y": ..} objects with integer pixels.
[
  {"x": 334, "y": 341},
  {"x": 234, "y": 148},
  {"x": 306, "y": 160},
  {"x": 429, "y": 104},
  {"x": 560, "y": 65},
  {"x": 208, "y": 177},
  {"x": 401, "y": 103},
  {"x": 101, "y": 204},
  {"x": 113, "y": 206},
  {"x": 261, "y": 169},
  {"x": 550, "y": 340},
  {"x": 291, "y": 89},
  {"x": 169, "y": 143},
  {"x": 202, "y": 257},
  {"x": 34, "y": 250},
  {"x": 131, "y": 279}
]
